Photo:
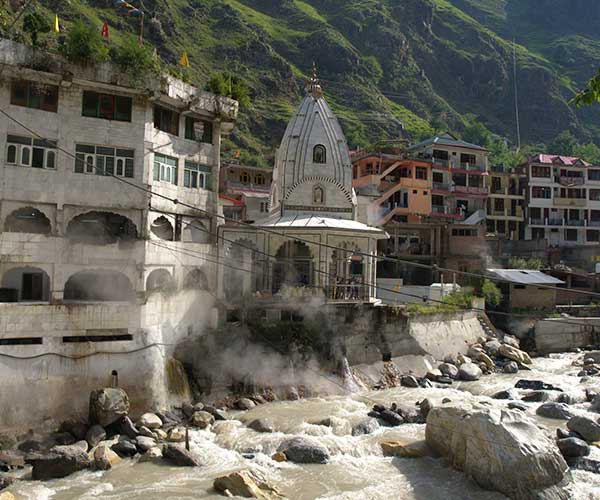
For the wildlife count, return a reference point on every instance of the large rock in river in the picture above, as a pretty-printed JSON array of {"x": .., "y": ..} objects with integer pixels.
[
  {"x": 247, "y": 485},
  {"x": 469, "y": 371},
  {"x": 60, "y": 461},
  {"x": 302, "y": 450},
  {"x": 502, "y": 450},
  {"x": 108, "y": 405}
]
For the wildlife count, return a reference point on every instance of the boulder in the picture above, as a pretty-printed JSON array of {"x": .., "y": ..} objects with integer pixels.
[
  {"x": 144, "y": 443},
  {"x": 587, "y": 428},
  {"x": 202, "y": 419},
  {"x": 169, "y": 418},
  {"x": 511, "y": 367},
  {"x": 418, "y": 449},
  {"x": 517, "y": 405},
  {"x": 572, "y": 447},
  {"x": 461, "y": 359},
  {"x": 7, "y": 495},
  {"x": 246, "y": 484},
  {"x": 95, "y": 434},
  {"x": 514, "y": 354},
  {"x": 176, "y": 435},
  {"x": 62, "y": 439},
  {"x": 125, "y": 448},
  {"x": 105, "y": 458},
  {"x": 83, "y": 444},
  {"x": 469, "y": 371},
  {"x": 76, "y": 428},
  {"x": 151, "y": 421},
  {"x": 188, "y": 409},
  {"x": 279, "y": 457},
  {"x": 492, "y": 347},
  {"x": 511, "y": 340},
  {"x": 537, "y": 397},
  {"x": 409, "y": 381},
  {"x": 160, "y": 434},
  {"x": 152, "y": 455},
  {"x": 536, "y": 385},
  {"x": 302, "y": 450},
  {"x": 487, "y": 361},
  {"x": 60, "y": 461},
  {"x": 425, "y": 407},
  {"x": 262, "y": 425},
  {"x": 144, "y": 431},
  {"x": 5, "y": 482},
  {"x": 595, "y": 407},
  {"x": 433, "y": 374},
  {"x": 558, "y": 411},
  {"x": 178, "y": 455},
  {"x": 31, "y": 445},
  {"x": 218, "y": 414},
  {"x": 508, "y": 394},
  {"x": 244, "y": 404},
  {"x": 449, "y": 370},
  {"x": 367, "y": 426},
  {"x": 126, "y": 426},
  {"x": 571, "y": 398},
  {"x": 108, "y": 405},
  {"x": 502, "y": 450}
]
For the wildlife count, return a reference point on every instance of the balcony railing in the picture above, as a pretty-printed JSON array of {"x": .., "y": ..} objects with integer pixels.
[
  {"x": 575, "y": 222},
  {"x": 576, "y": 181},
  {"x": 556, "y": 222},
  {"x": 441, "y": 186},
  {"x": 536, "y": 222},
  {"x": 471, "y": 167},
  {"x": 438, "y": 162},
  {"x": 471, "y": 190},
  {"x": 570, "y": 202},
  {"x": 594, "y": 223},
  {"x": 259, "y": 188}
]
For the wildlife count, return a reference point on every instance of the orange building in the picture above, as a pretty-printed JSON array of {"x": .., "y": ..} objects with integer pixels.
[{"x": 392, "y": 189}]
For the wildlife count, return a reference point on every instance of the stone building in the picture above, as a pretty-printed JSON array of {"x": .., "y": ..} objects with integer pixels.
[
  {"x": 311, "y": 244},
  {"x": 90, "y": 265},
  {"x": 244, "y": 191}
]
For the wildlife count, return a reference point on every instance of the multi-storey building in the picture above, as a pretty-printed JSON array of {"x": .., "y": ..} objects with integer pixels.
[
  {"x": 83, "y": 256},
  {"x": 563, "y": 197},
  {"x": 244, "y": 192},
  {"x": 506, "y": 203},
  {"x": 458, "y": 170}
]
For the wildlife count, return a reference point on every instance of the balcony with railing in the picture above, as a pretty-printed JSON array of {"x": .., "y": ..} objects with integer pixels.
[
  {"x": 475, "y": 190},
  {"x": 555, "y": 221},
  {"x": 444, "y": 211},
  {"x": 575, "y": 222},
  {"x": 440, "y": 163},
  {"x": 441, "y": 186},
  {"x": 571, "y": 181},
  {"x": 233, "y": 186},
  {"x": 570, "y": 202},
  {"x": 472, "y": 167}
]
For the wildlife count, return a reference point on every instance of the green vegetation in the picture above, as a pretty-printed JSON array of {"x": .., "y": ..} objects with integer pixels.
[
  {"x": 455, "y": 302},
  {"x": 139, "y": 62},
  {"x": 491, "y": 293},
  {"x": 85, "y": 45},
  {"x": 228, "y": 85},
  {"x": 36, "y": 24},
  {"x": 521, "y": 263}
]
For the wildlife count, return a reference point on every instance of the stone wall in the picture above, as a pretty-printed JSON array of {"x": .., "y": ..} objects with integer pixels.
[{"x": 564, "y": 334}]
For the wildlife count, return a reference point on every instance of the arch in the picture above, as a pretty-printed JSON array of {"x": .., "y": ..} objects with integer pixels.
[
  {"x": 245, "y": 178},
  {"x": 99, "y": 286},
  {"x": 101, "y": 228},
  {"x": 319, "y": 154},
  {"x": 346, "y": 272},
  {"x": 259, "y": 179},
  {"x": 30, "y": 284},
  {"x": 159, "y": 280},
  {"x": 318, "y": 195},
  {"x": 195, "y": 280},
  {"x": 27, "y": 220},
  {"x": 293, "y": 266},
  {"x": 322, "y": 180},
  {"x": 162, "y": 228},
  {"x": 242, "y": 273}
]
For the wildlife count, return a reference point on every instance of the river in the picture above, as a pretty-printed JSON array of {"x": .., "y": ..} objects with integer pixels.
[{"x": 357, "y": 471}]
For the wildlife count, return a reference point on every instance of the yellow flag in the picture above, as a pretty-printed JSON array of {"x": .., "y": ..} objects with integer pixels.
[
  {"x": 56, "y": 26},
  {"x": 184, "y": 59}
]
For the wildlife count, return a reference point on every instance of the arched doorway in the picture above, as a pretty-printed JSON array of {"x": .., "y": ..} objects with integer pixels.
[
  {"x": 162, "y": 228},
  {"x": 101, "y": 228},
  {"x": 195, "y": 280},
  {"x": 159, "y": 280},
  {"x": 293, "y": 266},
  {"x": 27, "y": 220},
  {"x": 346, "y": 273},
  {"x": 27, "y": 284},
  {"x": 99, "y": 286}
]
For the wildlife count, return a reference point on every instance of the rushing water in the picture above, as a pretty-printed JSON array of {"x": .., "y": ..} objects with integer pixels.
[{"x": 357, "y": 470}]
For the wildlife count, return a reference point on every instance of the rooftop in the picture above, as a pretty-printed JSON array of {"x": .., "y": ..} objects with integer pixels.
[
  {"x": 525, "y": 276},
  {"x": 317, "y": 222},
  {"x": 559, "y": 160},
  {"x": 446, "y": 139}
]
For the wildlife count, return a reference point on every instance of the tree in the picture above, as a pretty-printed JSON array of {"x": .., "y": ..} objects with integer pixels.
[
  {"x": 491, "y": 293},
  {"x": 228, "y": 85},
  {"x": 588, "y": 152},
  {"x": 138, "y": 61},
  {"x": 476, "y": 133},
  {"x": 563, "y": 144},
  {"x": 521, "y": 263},
  {"x": 85, "y": 45},
  {"x": 35, "y": 24},
  {"x": 590, "y": 93}
]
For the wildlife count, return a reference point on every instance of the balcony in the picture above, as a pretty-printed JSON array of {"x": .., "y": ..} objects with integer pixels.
[
  {"x": 441, "y": 186},
  {"x": 536, "y": 222},
  {"x": 471, "y": 167},
  {"x": 576, "y": 222},
  {"x": 233, "y": 186},
  {"x": 571, "y": 181},
  {"x": 471, "y": 190},
  {"x": 555, "y": 222},
  {"x": 438, "y": 162},
  {"x": 594, "y": 223},
  {"x": 444, "y": 211},
  {"x": 570, "y": 202}
]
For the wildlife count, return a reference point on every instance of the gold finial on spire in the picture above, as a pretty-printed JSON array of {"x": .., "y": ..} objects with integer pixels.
[{"x": 313, "y": 86}]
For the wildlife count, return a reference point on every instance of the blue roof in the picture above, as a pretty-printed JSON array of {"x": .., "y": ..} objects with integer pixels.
[{"x": 446, "y": 139}]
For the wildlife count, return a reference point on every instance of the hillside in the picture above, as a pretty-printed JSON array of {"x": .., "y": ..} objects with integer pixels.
[{"x": 388, "y": 67}]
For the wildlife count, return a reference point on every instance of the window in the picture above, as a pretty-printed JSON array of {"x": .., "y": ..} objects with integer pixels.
[
  {"x": 464, "y": 232},
  {"x": 499, "y": 204},
  {"x": 594, "y": 194},
  {"x": 198, "y": 130},
  {"x": 571, "y": 234},
  {"x": 540, "y": 171},
  {"x": 594, "y": 175},
  {"x": 541, "y": 192},
  {"x": 319, "y": 154},
  {"x": 496, "y": 184},
  {"x": 438, "y": 177},
  {"x": 538, "y": 233},
  {"x": 196, "y": 175},
  {"x": 106, "y": 106},
  {"x": 259, "y": 179},
  {"x": 245, "y": 178},
  {"x": 166, "y": 120},
  {"x": 165, "y": 169},
  {"x": 34, "y": 95},
  {"x": 318, "y": 195},
  {"x": 264, "y": 207},
  {"x": 421, "y": 173},
  {"x": 32, "y": 286},
  {"x": 593, "y": 235},
  {"x": 28, "y": 152},
  {"x": 104, "y": 160},
  {"x": 468, "y": 159}
]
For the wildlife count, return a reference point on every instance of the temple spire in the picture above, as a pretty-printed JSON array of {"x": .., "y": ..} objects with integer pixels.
[{"x": 313, "y": 86}]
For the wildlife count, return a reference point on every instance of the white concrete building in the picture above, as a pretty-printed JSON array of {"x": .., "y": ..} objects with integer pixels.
[
  {"x": 84, "y": 256},
  {"x": 563, "y": 196},
  {"x": 311, "y": 245}
]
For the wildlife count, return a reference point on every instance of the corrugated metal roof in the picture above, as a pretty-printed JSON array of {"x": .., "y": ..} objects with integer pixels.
[
  {"x": 446, "y": 140},
  {"x": 525, "y": 276},
  {"x": 316, "y": 222}
]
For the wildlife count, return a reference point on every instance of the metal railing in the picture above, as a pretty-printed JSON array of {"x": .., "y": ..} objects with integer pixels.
[
  {"x": 571, "y": 202},
  {"x": 261, "y": 188},
  {"x": 471, "y": 190},
  {"x": 441, "y": 186},
  {"x": 572, "y": 180}
]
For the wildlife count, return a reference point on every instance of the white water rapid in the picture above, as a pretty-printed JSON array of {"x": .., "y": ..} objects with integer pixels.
[{"x": 357, "y": 471}]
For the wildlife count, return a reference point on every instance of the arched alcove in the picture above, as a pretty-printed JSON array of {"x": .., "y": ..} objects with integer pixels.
[
  {"x": 31, "y": 284},
  {"x": 27, "y": 220},
  {"x": 101, "y": 228},
  {"x": 195, "y": 280},
  {"x": 162, "y": 228},
  {"x": 160, "y": 280},
  {"x": 293, "y": 266},
  {"x": 99, "y": 286}
]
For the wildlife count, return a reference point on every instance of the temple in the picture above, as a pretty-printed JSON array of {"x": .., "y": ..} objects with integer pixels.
[{"x": 311, "y": 244}]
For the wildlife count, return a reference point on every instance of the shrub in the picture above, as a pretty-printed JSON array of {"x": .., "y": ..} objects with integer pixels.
[
  {"x": 139, "y": 62},
  {"x": 228, "y": 85},
  {"x": 491, "y": 293},
  {"x": 520, "y": 263},
  {"x": 85, "y": 45},
  {"x": 36, "y": 24}
]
